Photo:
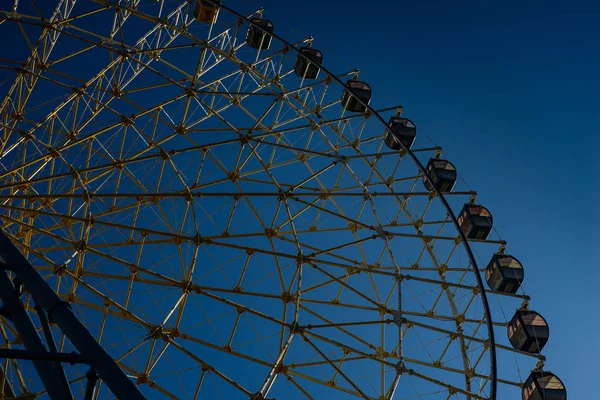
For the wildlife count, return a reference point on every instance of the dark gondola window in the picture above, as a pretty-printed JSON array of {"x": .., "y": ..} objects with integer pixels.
[
  {"x": 308, "y": 67},
  {"x": 504, "y": 273},
  {"x": 543, "y": 385},
  {"x": 402, "y": 130},
  {"x": 206, "y": 11},
  {"x": 528, "y": 331},
  {"x": 475, "y": 221},
  {"x": 442, "y": 173},
  {"x": 260, "y": 38},
  {"x": 360, "y": 90}
]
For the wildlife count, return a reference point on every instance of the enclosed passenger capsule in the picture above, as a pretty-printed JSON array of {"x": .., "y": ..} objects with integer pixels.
[
  {"x": 360, "y": 90},
  {"x": 528, "y": 331},
  {"x": 402, "y": 130},
  {"x": 442, "y": 173},
  {"x": 475, "y": 221},
  {"x": 259, "y": 38},
  {"x": 308, "y": 67},
  {"x": 504, "y": 273},
  {"x": 543, "y": 385},
  {"x": 206, "y": 11}
]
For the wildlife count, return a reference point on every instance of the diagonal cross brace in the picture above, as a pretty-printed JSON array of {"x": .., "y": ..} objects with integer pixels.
[
  {"x": 61, "y": 314},
  {"x": 14, "y": 310}
]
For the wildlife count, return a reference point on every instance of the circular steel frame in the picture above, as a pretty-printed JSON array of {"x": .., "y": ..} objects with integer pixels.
[{"x": 480, "y": 284}]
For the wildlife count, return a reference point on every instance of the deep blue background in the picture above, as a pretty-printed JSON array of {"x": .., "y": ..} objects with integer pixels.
[{"x": 511, "y": 90}]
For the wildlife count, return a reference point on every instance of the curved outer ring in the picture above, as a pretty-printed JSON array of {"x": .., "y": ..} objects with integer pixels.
[
  {"x": 488, "y": 314},
  {"x": 489, "y": 321}
]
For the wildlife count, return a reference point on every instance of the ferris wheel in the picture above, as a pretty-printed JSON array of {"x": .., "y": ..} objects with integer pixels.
[{"x": 220, "y": 216}]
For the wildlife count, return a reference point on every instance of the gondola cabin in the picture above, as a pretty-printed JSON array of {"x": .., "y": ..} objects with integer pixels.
[
  {"x": 259, "y": 38},
  {"x": 543, "y": 385},
  {"x": 475, "y": 221},
  {"x": 528, "y": 331},
  {"x": 401, "y": 130},
  {"x": 504, "y": 273},
  {"x": 207, "y": 11},
  {"x": 441, "y": 173},
  {"x": 358, "y": 90},
  {"x": 308, "y": 63}
]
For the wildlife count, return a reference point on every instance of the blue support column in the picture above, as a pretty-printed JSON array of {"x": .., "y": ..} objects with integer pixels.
[
  {"x": 60, "y": 313},
  {"x": 15, "y": 311},
  {"x": 71, "y": 358}
]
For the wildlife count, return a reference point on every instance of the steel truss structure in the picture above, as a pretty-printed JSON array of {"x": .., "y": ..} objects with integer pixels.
[{"x": 222, "y": 227}]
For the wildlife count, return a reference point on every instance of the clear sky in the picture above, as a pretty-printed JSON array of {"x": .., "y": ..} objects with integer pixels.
[{"x": 511, "y": 91}]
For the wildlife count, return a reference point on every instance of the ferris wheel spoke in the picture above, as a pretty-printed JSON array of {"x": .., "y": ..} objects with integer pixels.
[
  {"x": 447, "y": 318},
  {"x": 122, "y": 314},
  {"x": 134, "y": 268},
  {"x": 96, "y": 295},
  {"x": 345, "y": 285},
  {"x": 225, "y": 350},
  {"x": 136, "y": 279},
  {"x": 241, "y": 307},
  {"x": 459, "y": 285},
  {"x": 340, "y": 324},
  {"x": 344, "y": 348},
  {"x": 341, "y": 328},
  {"x": 322, "y": 284},
  {"x": 451, "y": 389},
  {"x": 323, "y": 383},
  {"x": 333, "y": 365},
  {"x": 160, "y": 389},
  {"x": 450, "y": 334},
  {"x": 324, "y": 362},
  {"x": 91, "y": 220},
  {"x": 341, "y": 262},
  {"x": 212, "y": 369}
]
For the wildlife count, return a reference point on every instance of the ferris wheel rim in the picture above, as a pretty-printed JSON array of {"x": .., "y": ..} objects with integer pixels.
[
  {"x": 465, "y": 242},
  {"x": 422, "y": 169}
]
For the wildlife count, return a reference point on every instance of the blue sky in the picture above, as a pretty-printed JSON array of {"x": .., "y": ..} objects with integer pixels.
[{"x": 511, "y": 92}]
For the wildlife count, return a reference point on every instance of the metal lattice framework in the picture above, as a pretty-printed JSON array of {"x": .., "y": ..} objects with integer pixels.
[{"x": 223, "y": 227}]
